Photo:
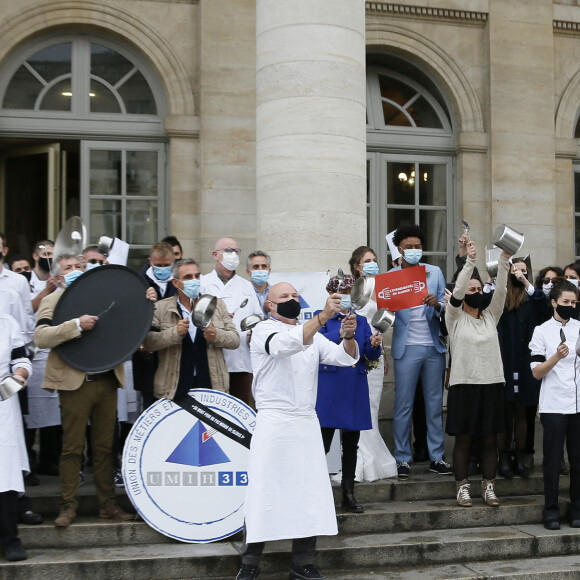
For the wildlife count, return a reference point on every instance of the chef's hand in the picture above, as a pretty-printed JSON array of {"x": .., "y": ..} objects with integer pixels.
[
  {"x": 348, "y": 326},
  {"x": 331, "y": 307},
  {"x": 182, "y": 327},
  {"x": 210, "y": 333},
  {"x": 20, "y": 378},
  {"x": 88, "y": 322},
  {"x": 471, "y": 251},
  {"x": 561, "y": 352},
  {"x": 376, "y": 340},
  {"x": 50, "y": 284}
]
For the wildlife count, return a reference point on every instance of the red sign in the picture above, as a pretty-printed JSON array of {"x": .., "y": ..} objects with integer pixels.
[{"x": 403, "y": 288}]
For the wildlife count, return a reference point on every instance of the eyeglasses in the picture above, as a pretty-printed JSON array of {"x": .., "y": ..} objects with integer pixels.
[
  {"x": 95, "y": 261},
  {"x": 230, "y": 250}
]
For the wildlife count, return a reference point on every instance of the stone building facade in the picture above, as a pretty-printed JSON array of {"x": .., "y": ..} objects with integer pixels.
[{"x": 246, "y": 118}]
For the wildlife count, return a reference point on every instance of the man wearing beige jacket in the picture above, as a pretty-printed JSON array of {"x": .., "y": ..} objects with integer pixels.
[
  {"x": 188, "y": 357},
  {"x": 83, "y": 397}
]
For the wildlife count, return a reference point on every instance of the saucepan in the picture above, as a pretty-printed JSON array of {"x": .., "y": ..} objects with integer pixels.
[
  {"x": 250, "y": 321},
  {"x": 361, "y": 293},
  {"x": 203, "y": 311},
  {"x": 492, "y": 260},
  {"x": 9, "y": 386},
  {"x": 508, "y": 239},
  {"x": 383, "y": 320}
]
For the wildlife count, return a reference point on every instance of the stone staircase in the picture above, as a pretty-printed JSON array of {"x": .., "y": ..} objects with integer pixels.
[{"x": 410, "y": 530}]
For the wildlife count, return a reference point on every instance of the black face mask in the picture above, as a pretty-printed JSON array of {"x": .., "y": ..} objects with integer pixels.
[
  {"x": 44, "y": 264},
  {"x": 474, "y": 300},
  {"x": 516, "y": 282},
  {"x": 565, "y": 312},
  {"x": 27, "y": 275},
  {"x": 289, "y": 309}
]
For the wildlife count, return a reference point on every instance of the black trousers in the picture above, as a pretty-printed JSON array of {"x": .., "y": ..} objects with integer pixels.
[
  {"x": 557, "y": 429},
  {"x": 302, "y": 551},
  {"x": 9, "y": 518},
  {"x": 349, "y": 440}
]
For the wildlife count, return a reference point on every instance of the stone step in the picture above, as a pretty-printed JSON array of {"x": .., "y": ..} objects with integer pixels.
[
  {"x": 370, "y": 553},
  {"x": 379, "y": 517}
]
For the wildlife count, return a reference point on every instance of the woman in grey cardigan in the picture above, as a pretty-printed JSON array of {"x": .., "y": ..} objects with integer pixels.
[{"x": 475, "y": 403}]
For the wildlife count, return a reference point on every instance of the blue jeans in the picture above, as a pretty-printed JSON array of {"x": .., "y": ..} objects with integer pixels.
[{"x": 426, "y": 362}]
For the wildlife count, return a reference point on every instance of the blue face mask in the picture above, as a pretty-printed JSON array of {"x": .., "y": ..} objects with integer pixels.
[
  {"x": 90, "y": 266},
  {"x": 345, "y": 302},
  {"x": 70, "y": 277},
  {"x": 260, "y": 277},
  {"x": 370, "y": 268},
  {"x": 162, "y": 273},
  {"x": 412, "y": 256},
  {"x": 191, "y": 288}
]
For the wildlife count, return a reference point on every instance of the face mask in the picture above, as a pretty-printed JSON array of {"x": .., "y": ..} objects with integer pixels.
[
  {"x": 547, "y": 287},
  {"x": 474, "y": 300},
  {"x": 412, "y": 256},
  {"x": 191, "y": 288},
  {"x": 90, "y": 266},
  {"x": 162, "y": 273},
  {"x": 289, "y": 309},
  {"x": 345, "y": 302},
  {"x": 259, "y": 277},
  {"x": 44, "y": 264},
  {"x": 230, "y": 261},
  {"x": 370, "y": 268},
  {"x": 70, "y": 277},
  {"x": 27, "y": 275},
  {"x": 515, "y": 281},
  {"x": 565, "y": 312},
  {"x": 575, "y": 282}
]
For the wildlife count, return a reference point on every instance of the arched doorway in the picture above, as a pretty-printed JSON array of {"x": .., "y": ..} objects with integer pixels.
[
  {"x": 410, "y": 161},
  {"x": 81, "y": 132}
]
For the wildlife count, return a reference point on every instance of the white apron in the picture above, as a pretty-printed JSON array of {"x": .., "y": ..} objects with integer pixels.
[
  {"x": 289, "y": 493},
  {"x": 374, "y": 460},
  {"x": 43, "y": 406},
  {"x": 13, "y": 457}
]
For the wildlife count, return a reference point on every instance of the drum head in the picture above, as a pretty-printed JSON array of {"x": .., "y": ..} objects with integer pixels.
[{"x": 117, "y": 295}]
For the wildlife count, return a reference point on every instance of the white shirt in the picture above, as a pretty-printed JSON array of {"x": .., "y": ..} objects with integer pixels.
[
  {"x": 161, "y": 284},
  {"x": 233, "y": 293},
  {"x": 16, "y": 295},
  {"x": 559, "y": 392}
]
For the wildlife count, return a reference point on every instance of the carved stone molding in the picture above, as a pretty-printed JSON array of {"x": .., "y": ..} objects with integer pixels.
[
  {"x": 426, "y": 12},
  {"x": 563, "y": 26}
]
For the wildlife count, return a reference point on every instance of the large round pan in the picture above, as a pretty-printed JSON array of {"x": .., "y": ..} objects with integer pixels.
[
  {"x": 203, "y": 311},
  {"x": 116, "y": 294},
  {"x": 362, "y": 291}
]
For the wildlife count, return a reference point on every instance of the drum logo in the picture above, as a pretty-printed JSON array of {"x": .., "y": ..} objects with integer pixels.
[{"x": 185, "y": 478}]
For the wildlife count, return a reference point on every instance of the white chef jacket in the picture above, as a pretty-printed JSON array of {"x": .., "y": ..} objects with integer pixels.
[
  {"x": 289, "y": 493},
  {"x": 233, "y": 293},
  {"x": 559, "y": 392},
  {"x": 13, "y": 456},
  {"x": 15, "y": 289}
]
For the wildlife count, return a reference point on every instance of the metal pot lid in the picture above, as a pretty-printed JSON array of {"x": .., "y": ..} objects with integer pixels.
[{"x": 117, "y": 295}]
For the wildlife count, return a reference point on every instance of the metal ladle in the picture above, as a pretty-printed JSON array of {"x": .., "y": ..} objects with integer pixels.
[
  {"x": 466, "y": 228},
  {"x": 242, "y": 304}
]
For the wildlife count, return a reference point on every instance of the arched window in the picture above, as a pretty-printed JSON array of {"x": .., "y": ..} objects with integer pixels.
[{"x": 409, "y": 164}]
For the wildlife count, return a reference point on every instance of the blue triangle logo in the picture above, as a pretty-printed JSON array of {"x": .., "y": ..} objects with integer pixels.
[
  {"x": 198, "y": 448},
  {"x": 303, "y": 303}
]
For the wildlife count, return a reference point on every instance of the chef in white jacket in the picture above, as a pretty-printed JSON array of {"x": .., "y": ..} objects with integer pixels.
[
  {"x": 13, "y": 457},
  {"x": 224, "y": 283},
  {"x": 289, "y": 494}
]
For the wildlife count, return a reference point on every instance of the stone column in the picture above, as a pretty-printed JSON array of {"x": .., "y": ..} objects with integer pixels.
[
  {"x": 522, "y": 148},
  {"x": 310, "y": 132}
]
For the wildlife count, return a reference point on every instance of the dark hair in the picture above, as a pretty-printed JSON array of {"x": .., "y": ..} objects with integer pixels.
[
  {"x": 515, "y": 294},
  {"x": 542, "y": 274},
  {"x": 561, "y": 287},
  {"x": 474, "y": 275},
  {"x": 408, "y": 231},
  {"x": 357, "y": 257},
  {"x": 575, "y": 266},
  {"x": 173, "y": 241},
  {"x": 18, "y": 258},
  {"x": 45, "y": 243}
]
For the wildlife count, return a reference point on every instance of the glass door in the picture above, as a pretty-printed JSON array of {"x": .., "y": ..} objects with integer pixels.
[{"x": 122, "y": 193}]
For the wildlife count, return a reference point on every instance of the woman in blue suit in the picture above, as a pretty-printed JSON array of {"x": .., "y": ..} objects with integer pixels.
[{"x": 343, "y": 392}]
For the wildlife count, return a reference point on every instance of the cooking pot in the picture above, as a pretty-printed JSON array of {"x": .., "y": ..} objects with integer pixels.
[
  {"x": 8, "y": 387},
  {"x": 508, "y": 239},
  {"x": 383, "y": 320},
  {"x": 250, "y": 321},
  {"x": 492, "y": 260},
  {"x": 203, "y": 311},
  {"x": 361, "y": 292}
]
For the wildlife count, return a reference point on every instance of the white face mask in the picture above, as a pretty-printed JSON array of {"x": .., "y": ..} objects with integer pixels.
[{"x": 230, "y": 261}]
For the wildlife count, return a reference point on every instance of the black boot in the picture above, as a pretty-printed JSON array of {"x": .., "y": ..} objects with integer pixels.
[
  {"x": 503, "y": 465},
  {"x": 520, "y": 468},
  {"x": 348, "y": 500}
]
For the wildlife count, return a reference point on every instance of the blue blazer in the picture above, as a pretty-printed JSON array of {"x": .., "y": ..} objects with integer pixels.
[
  {"x": 435, "y": 286},
  {"x": 343, "y": 392}
]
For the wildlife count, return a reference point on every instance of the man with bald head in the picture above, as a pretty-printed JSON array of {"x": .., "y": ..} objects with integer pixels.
[
  {"x": 289, "y": 494},
  {"x": 234, "y": 290}
]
